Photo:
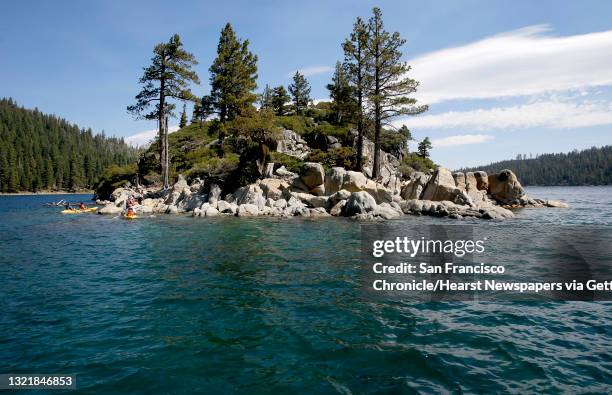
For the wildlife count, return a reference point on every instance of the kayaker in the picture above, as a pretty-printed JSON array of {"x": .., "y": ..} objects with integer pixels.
[
  {"x": 130, "y": 212},
  {"x": 67, "y": 206},
  {"x": 82, "y": 206}
]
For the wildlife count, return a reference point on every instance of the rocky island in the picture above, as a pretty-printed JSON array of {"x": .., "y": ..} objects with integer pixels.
[
  {"x": 278, "y": 153},
  {"x": 315, "y": 192}
]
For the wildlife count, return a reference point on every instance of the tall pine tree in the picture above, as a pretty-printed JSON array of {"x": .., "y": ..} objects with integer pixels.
[
  {"x": 390, "y": 89},
  {"x": 424, "y": 147},
  {"x": 300, "y": 93},
  {"x": 280, "y": 98},
  {"x": 356, "y": 61},
  {"x": 343, "y": 103},
  {"x": 183, "y": 121},
  {"x": 265, "y": 100},
  {"x": 168, "y": 77},
  {"x": 233, "y": 76}
]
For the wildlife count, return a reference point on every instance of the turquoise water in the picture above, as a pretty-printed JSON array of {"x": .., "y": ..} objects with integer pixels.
[{"x": 231, "y": 305}]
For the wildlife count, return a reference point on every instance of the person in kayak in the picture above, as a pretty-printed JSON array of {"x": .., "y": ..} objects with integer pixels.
[
  {"x": 67, "y": 206},
  {"x": 130, "y": 212},
  {"x": 82, "y": 206}
]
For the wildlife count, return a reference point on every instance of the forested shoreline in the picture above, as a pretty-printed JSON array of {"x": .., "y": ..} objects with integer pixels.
[
  {"x": 41, "y": 152},
  {"x": 592, "y": 166}
]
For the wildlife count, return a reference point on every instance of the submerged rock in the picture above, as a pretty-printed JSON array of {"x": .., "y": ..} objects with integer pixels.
[{"x": 556, "y": 203}]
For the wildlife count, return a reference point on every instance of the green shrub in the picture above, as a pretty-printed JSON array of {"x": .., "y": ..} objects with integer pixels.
[
  {"x": 340, "y": 132},
  {"x": 320, "y": 113},
  {"x": 412, "y": 162},
  {"x": 114, "y": 177},
  {"x": 214, "y": 167},
  {"x": 393, "y": 142},
  {"x": 290, "y": 162},
  {"x": 299, "y": 124},
  {"x": 343, "y": 157}
]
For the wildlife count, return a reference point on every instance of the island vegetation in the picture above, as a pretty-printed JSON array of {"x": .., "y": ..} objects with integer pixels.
[{"x": 234, "y": 131}]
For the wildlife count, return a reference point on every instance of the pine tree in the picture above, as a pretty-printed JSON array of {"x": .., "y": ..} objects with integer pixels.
[
  {"x": 390, "y": 86},
  {"x": 424, "y": 147},
  {"x": 202, "y": 109},
  {"x": 265, "y": 99},
  {"x": 183, "y": 121},
  {"x": 404, "y": 132},
  {"x": 280, "y": 98},
  {"x": 167, "y": 77},
  {"x": 49, "y": 177},
  {"x": 356, "y": 60},
  {"x": 340, "y": 91},
  {"x": 233, "y": 76},
  {"x": 300, "y": 93}
]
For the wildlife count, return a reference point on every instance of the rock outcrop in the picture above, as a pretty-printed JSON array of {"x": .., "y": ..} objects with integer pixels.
[
  {"x": 359, "y": 203},
  {"x": 340, "y": 192},
  {"x": 414, "y": 187},
  {"x": 505, "y": 188},
  {"x": 292, "y": 144},
  {"x": 313, "y": 177},
  {"x": 442, "y": 186}
]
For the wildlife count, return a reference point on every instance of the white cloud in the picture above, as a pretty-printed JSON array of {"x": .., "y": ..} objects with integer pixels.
[
  {"x": 143, "y": 139},
  {"x": 313, "y": 70},
  {"x": 520, "y": 62},
  {"x": 551, "y": 113},
  {"x": 463, "y": 139}
]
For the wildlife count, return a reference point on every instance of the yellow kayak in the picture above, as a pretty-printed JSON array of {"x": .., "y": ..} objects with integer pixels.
[
  {"x": 78, "y": 211},
  {"x": 133, "y": 216}
]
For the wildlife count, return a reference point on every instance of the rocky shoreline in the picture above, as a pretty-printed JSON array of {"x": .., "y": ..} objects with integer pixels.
[{"x": 339, "y": 192}]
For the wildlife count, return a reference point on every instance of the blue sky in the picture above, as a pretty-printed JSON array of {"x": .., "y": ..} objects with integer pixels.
[{"x": 501, "y": 77}]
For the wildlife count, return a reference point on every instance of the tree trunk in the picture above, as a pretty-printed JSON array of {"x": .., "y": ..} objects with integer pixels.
[
  {"x": 377, "y": 127},
  {"x": 162, "y": 134},
  {"x": 360, "y": 136},
  {"x": 166, "y": 177},
  {"x": 377, "y": 107},
  {"x": 360, "y": 125}
]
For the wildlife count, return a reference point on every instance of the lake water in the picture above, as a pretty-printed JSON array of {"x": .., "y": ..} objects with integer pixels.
[{"x": 175, "y": 304}]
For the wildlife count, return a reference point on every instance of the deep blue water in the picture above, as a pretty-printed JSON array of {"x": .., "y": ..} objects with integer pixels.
[{"x": 174, "y": 304}]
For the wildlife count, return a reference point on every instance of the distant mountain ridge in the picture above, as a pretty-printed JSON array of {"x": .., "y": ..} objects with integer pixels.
[
  {"x": 45, "y": 152},
  {"x": 591, "y": 166}
]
